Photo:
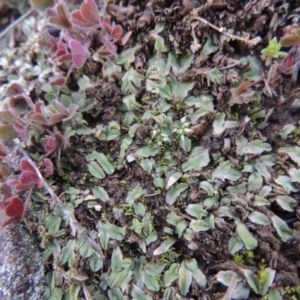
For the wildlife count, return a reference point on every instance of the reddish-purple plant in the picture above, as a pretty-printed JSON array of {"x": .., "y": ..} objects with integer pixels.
[
  {"x": 59, "y": 16},
  {"x": 87, "y": 17}
]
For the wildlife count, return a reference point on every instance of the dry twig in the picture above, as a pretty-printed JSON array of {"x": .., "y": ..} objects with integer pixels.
[{"x": 223, "y": 30}]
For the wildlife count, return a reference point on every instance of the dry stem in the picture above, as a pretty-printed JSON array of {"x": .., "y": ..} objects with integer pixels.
[
  {"x": 253, "y": 42},
  {"x": 15, "y": 23}
]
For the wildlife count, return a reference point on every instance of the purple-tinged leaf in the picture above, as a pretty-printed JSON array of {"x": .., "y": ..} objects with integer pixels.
[
  {"x": 78, "y": 20},
  {"x": 60, "y": 107},
  {"x": 15, "y": 90},
  {"x": 3, "y": 150},
  {"x": 51, "y": 145},
  {"x": 22, "y": 131},
  {"x": 57, "y": 118},
  {"x": 8, "y": 133},
  {"x": 125, "y": 38},
  {"x": 15, "y": 207},
  {"x": 18, "y": 104},
  {"x": 12, "y": 220},
  {"x": 79, "y": 53},
  {"x": 90, "y": 12},
  {"x": 39, "y": 107},
  {"x": 49, "y": 168},
  {"x": 29, "y": 178},
  {"x": 63, "y": 16},
  {"x": 5, "y": 172},
  {"x": 72, "y": 111},
  {"x": 37, "y": 117},
  {"x": 11, "y": 118},
  {"x": 58, "y": 80},
  {"x": 41, "y": 4},
  {"x": 26, "y": 166}
]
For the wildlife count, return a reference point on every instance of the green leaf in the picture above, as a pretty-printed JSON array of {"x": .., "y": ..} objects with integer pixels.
[
  {"x": 85, "y": 250},
  {"x": 172, "y": 179},
  {"x": 112, "y": 70},
  {"x": 256, "y": 147},
  {"x": 274, "y": 294},
  {"x": 158, "y": 69},
  {"x": 209, "y": 48},
  {"x": 139, "y": 209},
  {"x": 96, "y": 170},
  {"x": 8, "y": 133},
  {"x": 100, "y": 193},
  {"x": 179, "y": 63},
  {"x": 173, "y": 219},
  {"x": 254, "y": 182},
  {"x": 152, "y": 237},
  {"x": 198, "y": 276},
  {"x": 199, "y": 225},
  {"x": 244, "y": 234},
  {"x": 151, "y": 283},
  {"x": 148, "y": 151},
  {"x": 225, "y": 171},
  {"x": 286, "y": 130},
  {"x": 235, "y": 244},
  {"x": 293, "y": 152},
  {"x": 259, "y": 218},
  {"x": 126, "y": 58},
  {"x": 137, "y": 293},
  {"x": 96, "y": 263},
  {"x": 282, "y": 228},
  {"x": 254, "y": 73},
  {"x": 52, "y": 223},
  {"x": 159, "y": 45},
  {"x": 131, "y": 81},
  {"x": 286, "y": 183},
  {"x": 294, "y": 174},
  {"x": 165, "y": 246},
  {"x": 170, "y": 293},
  {"x": 131, "y": 102},
  {"x": 171, "y": 275},
  {"x": 204, "y": 101},
  {"x": 215, "y": 75},
  {"x": 180, "y": 227},
  {"x": 147, "y": 165},
  {"x": 56, "y": 294},
  {"x": 174, "y": 192},
  {"x": 42, "y": 5},
  {"x": 185, "y": 279},
  {"x": 107, "y": 231},
  {"x": 273, "y": 49},
  {"x": 287, "y": 203},
  {"x": 198, "y": 158},
  {"x": 159, "y": 87},
  {"x": 220, "y": 125},
  {"x": 260, "y": 201},
  {"x": 196, "y": 211},
  {"x": 67, "y": 253},
  {"x": 185, "y": 143},
  {"x": 180, "y": 89},
  {"x": 102, "y": 160},
  {"x": 136, "y": 193}
]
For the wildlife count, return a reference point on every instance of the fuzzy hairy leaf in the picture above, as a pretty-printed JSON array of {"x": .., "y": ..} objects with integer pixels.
[
  {"x": 174, "y": 192},
  {"x": 282, "y": 228},
  {"x": 131, "y": 81},
  {"x": 185, "y": 279},
  {"x": 225, "y": 171},
  {"x": 244, "y": 234}
]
